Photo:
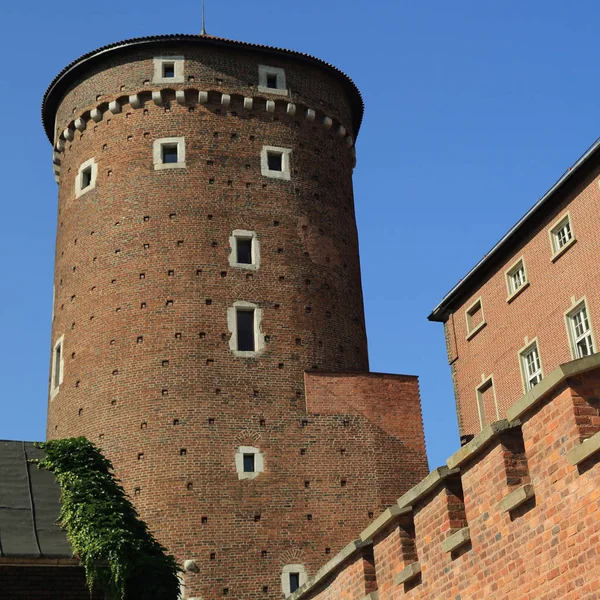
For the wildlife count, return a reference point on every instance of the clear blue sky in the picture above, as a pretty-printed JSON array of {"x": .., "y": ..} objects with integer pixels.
[{"x": 473, "y": 109}]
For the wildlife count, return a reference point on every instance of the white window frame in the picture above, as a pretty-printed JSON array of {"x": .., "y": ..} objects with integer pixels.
[
  {"x": 285, "y": 162},
  {"x": 259, "y": 462},
  {"x": 259, "y": 338},
  {"x": 263, "y": 72},
  {"x": 510, "y": 273},
  {"x": 559, "y": 224},
  {"x": 157, "y": 153},
  {"x": 285, "y": 577},
  {"x": 472, "y": 331},
  {"x": 523, "y": 361},
  {"x": 243, "y": 234},
  {"x": 178, "y": 63},
  {"x": 588, "y": 335},
  {"x": 55, "y": 385},
  {"x": 486, "y": 382},
  {"x": 93, "y": 166}
]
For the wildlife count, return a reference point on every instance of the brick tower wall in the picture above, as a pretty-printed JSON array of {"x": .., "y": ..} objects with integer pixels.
[{"x": 142, "y": 288}]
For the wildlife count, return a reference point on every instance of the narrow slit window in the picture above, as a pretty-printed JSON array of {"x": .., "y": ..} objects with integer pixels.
[
  {"x": 275, "y": 161},
  {"x": 294, "y": 582},
  {"x": 168, "y": 70},
  {"x": 86, "y": 178},
  {"x": 244, "y": 251},
  {"x": 581, "y": 332},
  {"x": 169, "y": 154},
  {"x": 57, "y": 361},
  {"x": 249, "y": 463},
  {"x": 245, "y": 330}
]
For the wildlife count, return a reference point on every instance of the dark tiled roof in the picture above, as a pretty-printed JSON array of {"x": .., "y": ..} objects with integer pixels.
[
  {"x": 29, "y": 506},
  {"x": 56, "y": 89}
]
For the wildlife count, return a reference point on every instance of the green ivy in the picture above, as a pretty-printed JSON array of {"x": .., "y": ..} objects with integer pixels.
[{"x": 114, "y": 545}]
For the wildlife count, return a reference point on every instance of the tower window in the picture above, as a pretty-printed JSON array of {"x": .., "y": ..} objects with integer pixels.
[
  {"x": 561, "y": 236},
  {"x": 293, "y": 577},
  {"x": 169, "y": 153},
  {"x": 580, "y": 331},
  {"x": 275, "y": 162},
  {"x": 56, "y": 375},
  {"x": 244, "y": 322},
  {"x": 245, "y": 249},
  {"x": 245, "y": 330},
  {"x": 168, "y": 69},
  {"x": 86, "y": 177},
  {"x": 294, "y": 582},
  {"x": 271, "y": 80},
  {"x": 248, "y": 463}
]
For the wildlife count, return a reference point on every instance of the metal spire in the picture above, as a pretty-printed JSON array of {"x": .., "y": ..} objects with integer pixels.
[{"x": 203, "y": 32}]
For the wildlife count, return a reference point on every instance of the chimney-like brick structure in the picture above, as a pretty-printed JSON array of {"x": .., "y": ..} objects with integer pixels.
[{"x": 162, "y": 152}]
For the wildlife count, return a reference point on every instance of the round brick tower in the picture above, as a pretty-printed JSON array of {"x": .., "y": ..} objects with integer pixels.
[{"x": 206, "y": 260}]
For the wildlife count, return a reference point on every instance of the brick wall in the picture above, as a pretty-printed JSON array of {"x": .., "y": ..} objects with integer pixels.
[
  {"x": 537, "y": 312},
  {"x": 515, "y": 515}
]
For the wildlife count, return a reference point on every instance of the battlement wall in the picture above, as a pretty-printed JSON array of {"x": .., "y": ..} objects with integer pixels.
[{"x": 514, "y": 514}]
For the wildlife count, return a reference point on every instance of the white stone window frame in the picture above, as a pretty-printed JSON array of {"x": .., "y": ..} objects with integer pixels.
[
  {"x": 93, "y": 166},
  {"x": 157, "y": 153},
  {"x": 525, "y": 375},
  {"x": 263, "y": 73},
  {"x": 55, "y": 385},
  {"x": 553, "y": 232},
  {"x": 285, "y": 577},
  {"x": 243, "y": 234},
  {"x": 259, "y": 338},
  {"x": 576, "y": 307},
  {"x": 513, "y": 291},
  {"x": 483, "y": 386},
  {"x": 471, "y": 331},
  {"x": 259, "y": 462},
  {"x": 179, "y": 68},
  {"x": 285, "y": 172}
]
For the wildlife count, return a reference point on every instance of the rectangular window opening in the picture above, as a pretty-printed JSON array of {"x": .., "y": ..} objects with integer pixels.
[
  {"x": 56, "y": 372},
  {"x": 294, "y": 582},
  {"x": 168, "y": 70},
  {"x": 582, "y": 333},
  {"x": 532, "y": 367},
  {"x": 170, "y": 154},
  {"x": 517, "y": 278},
  {"x": 86, "y": 178},
  {"x": 249, "y": 463},
  {"x": 272, "y": 81},
  {"x": 244, "y": 251},
  {"x": 275, "y": 161},
  {"x": 245, "y": 330}
]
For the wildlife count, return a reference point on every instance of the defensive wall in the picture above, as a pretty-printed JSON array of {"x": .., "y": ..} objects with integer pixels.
[{"x": 515, "y": 514}]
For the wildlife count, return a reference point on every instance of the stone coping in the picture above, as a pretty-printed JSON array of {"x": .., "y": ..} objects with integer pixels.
[
  {"x": 408, "y": 573},
  {"x": 548, "y": 383},
  {"x": 483, "y": 439},
  {"x": 388, "y": 516},
  {"x": 516, "y": 498},
  {"x": 339, "y": 559},
  {"x": 426, "y": 486},
  {"x": 42, "y": 561},
  {"x": 456, "y": 540},
  {"x": 584, "y": 450}
]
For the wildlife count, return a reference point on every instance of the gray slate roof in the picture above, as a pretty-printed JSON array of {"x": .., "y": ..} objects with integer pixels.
[{"x": 29, "y": 506}]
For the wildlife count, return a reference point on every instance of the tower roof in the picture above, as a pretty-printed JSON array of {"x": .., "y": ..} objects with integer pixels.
[{"x": 60, "y": 83}]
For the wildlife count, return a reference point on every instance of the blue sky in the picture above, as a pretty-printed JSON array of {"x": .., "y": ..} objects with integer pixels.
[{"x": 473, "y": 110}]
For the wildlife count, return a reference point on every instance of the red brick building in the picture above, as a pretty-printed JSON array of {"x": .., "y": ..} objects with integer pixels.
[
  {"x": 532, "y": 303},
  {"x": 208, "y": 330}
]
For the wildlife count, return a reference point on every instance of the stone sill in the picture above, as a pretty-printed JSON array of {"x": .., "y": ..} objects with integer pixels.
[
  {"x": 408, "y": 573},
  {"x": 516, "y": 498},
  {"x": 517, "y": 292},
  {"x": 560, "y": 252},
  {"x": 584, "y": 450},
  {"x": 456, "y": 540}
]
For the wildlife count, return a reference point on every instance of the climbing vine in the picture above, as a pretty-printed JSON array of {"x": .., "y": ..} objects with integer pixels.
[{"x": 113, "y": 544}]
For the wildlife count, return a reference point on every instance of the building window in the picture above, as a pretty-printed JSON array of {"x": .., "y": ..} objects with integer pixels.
[
  {"x": 516, "y": 279},
  {"x": 293, "y": 577},
  {"x": 531, "y": 366},
  {"x": 168, "y": 69},
  {"x": 561, "y": 236},
  {"x": 475, "y": 318},
  {"x": 56, "y": 375},
  {"x": 249, "y": 462},
  {"x": 580, "y": 331},
  {"x": 275, "y": 162},
  {"x": 487, "y": 405},
  {"x": 244, "y": 321},
  {"x": 86, "y": 177},
  {"x": 271, "y": 80},
  {"x": 245, "y": 249},
  {"x": 169, "y": 153}
]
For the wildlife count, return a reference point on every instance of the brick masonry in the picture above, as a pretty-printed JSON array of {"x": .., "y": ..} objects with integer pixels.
[
  {"x": 142, "y": 287},
  {"x": 543, "y": 547}
]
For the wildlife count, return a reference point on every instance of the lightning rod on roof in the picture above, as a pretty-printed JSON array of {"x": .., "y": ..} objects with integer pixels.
[{"x": 203, "y": 32}]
